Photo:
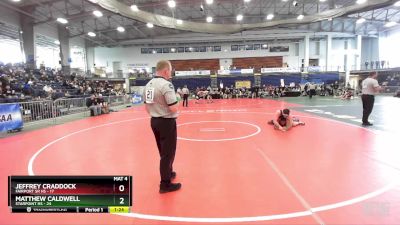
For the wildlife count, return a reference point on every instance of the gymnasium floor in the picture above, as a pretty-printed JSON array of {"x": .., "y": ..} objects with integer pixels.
[{"x": 234, "y": 167}]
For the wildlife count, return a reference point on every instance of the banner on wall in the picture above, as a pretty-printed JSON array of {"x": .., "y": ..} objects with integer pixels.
[
  {"x": 10, "y": 117},
  {"x": 279, "y": 69},
  {"x": 314, "y": 69},
  {"x": 243, "y": 84},
  {"x": 137, "y": 65},
  {"x": 247, "y": 71},
  {"x": 235, "y": 71},
  {"x": 192, "y": 73},
  {"x": 224, "y": 72}
]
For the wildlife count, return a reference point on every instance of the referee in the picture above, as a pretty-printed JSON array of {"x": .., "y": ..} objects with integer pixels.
[
  {"x": 161, "y": 104},
  {"x": 370, "y": 87},
  {"x": 185, "y": 92}
]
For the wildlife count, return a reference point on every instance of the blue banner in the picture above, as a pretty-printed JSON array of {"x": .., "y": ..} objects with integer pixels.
[
  {"x": 136, "y": 99},
  {"x": 10, "y": 117}
]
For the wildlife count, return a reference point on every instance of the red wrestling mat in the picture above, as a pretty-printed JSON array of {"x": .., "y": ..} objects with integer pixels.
[{"x": 234, "y": 167}]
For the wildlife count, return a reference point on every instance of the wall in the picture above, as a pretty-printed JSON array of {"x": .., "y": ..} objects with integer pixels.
[
  {"x": 389, "y": 47},
  {"x": 132, "y": 55},
  {"x": 225, "y": 63},
  {"x": 258, "y": 62},
  {"x": 13, "y": 18},
  {"x": 10, "y": 49},
  {"x": 104, "y": 57},
  {"x": 369, "y": 50},
  {"x": 198, "y": 64}
]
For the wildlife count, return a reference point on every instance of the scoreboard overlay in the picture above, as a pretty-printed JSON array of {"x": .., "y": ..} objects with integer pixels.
[{"x": 70, "y": 194}]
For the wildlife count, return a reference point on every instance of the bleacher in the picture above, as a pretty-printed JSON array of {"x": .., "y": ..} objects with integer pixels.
[
  {"x": 230, "y": 80},
  {"x": 191, "y": 82},
  {"x": 273, "y": 79},
  {"x": 27, "y": 85}
]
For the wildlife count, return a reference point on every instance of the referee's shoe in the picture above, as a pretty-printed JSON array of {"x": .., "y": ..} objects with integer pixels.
[{"x": 169, "y": 187}]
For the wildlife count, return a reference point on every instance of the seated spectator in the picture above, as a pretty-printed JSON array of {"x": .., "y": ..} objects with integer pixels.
[
  {"x": 397, "y": 94},
  {"x": 47, "y": 89},
  {"x": 1, "y": 93},
  {"x": 8, "y": 92},
  {"x": 94, "y": 106},
  {"x": 104, "y": 105}
]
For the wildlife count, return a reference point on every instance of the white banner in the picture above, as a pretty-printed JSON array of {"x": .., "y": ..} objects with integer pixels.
[
  {"x": 224, "y": 72},
  {"x": 247, "y": 71},
  {"x": 235, "y": 71},
  {"x": 192, "y": 73},
  {"x": 137, "y": 65},
  {"x": 314, "y": 69},
  {"x": 279, "y": 69}
]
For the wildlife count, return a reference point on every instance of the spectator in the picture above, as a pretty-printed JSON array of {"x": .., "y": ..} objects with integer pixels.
[
  {"x": 104, "y": 105},
  {"x": 312, "y": 90},
  {"x": 47, "y": 89},
  {"x": 94, "y": 106}
]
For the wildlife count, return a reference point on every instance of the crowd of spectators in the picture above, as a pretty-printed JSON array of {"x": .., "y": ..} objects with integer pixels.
[
  {"x": 19, "y": 84},
  {"x": 140, "y": 73},
  {"x": 271, "y": 91},
  {"x": 391, "y": 80}
]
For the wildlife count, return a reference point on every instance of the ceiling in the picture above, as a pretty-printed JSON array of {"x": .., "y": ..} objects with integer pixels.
[{"x": 81, "y": 20}]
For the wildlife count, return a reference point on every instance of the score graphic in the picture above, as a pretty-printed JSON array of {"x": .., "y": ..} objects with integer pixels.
[{"x": 74, "y": 194}]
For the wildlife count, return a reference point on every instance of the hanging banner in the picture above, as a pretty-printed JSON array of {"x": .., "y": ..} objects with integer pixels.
[{"x": 10, "y": 117}]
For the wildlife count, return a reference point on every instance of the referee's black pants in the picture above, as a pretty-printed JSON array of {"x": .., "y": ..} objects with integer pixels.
[
  {"x": 185, "y": 100},
  {"x": 368, "y": 105},
  {"x": 165, "y": 133}
]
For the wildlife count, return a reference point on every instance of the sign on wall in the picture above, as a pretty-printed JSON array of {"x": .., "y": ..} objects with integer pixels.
[
  {"x": 192, "y": 73},
  {"x": 279, "y": 69},
  {"x": 243, "y": 84}
]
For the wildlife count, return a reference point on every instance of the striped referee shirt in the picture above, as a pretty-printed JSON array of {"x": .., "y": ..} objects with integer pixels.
[{"x": 159, "y": 94}]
